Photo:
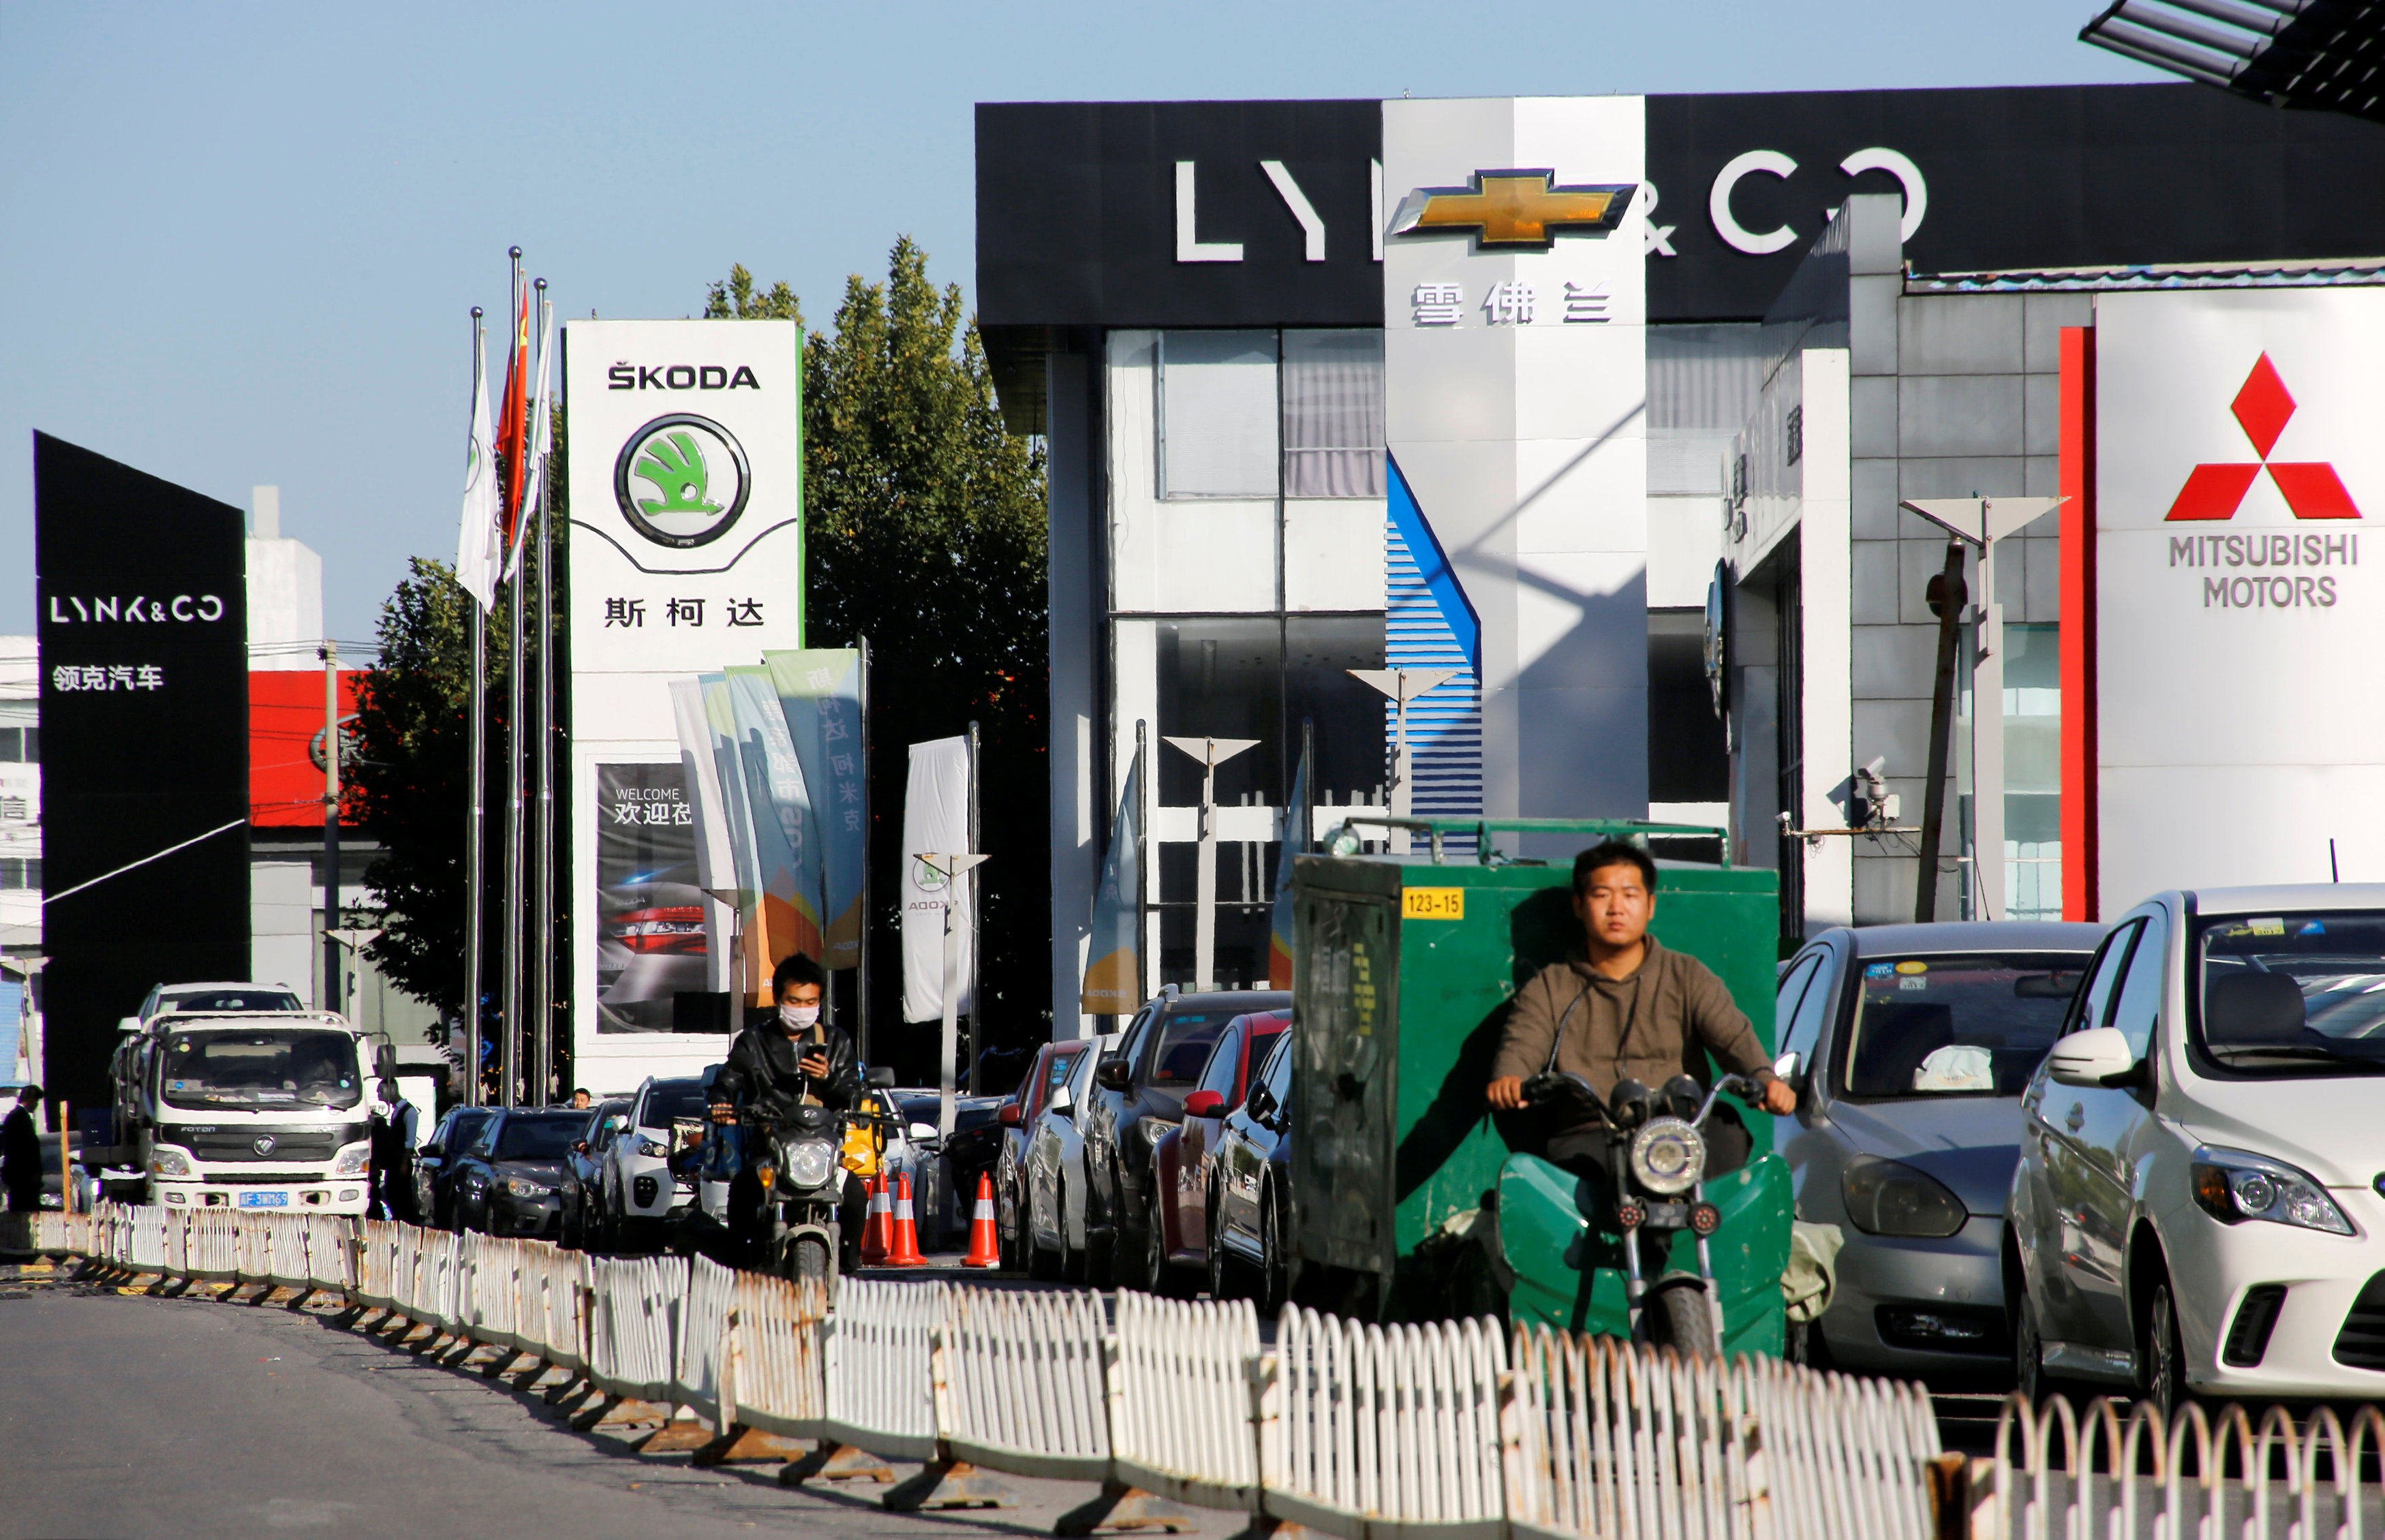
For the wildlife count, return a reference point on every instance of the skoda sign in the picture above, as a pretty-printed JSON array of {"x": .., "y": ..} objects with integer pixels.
[{"x": 681, "y": 481}]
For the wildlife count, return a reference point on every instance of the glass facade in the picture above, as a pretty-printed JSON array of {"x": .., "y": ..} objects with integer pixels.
[{"x": 2032, "y": 852}]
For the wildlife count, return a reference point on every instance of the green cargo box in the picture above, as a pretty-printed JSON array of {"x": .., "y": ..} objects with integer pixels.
[{"x": 1405, "y": 968}]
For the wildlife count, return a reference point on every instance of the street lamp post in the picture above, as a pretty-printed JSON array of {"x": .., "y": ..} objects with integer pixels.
[
  {"x": 1984, "y": 523},
  {"x": 1211, "y": 752},
  {"x": 1402, "y": 685}
]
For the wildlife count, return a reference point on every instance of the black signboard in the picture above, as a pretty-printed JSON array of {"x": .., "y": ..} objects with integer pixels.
[{"x": 140, "y": 588}]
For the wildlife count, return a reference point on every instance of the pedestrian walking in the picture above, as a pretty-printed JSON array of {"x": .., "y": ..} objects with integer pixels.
[{"x": 21, "y": 1153}]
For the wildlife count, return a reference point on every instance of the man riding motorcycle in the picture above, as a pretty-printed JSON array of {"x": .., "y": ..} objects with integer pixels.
[
  {"x": 1630, "y": 1010},
  {"x": 776, "y": 1064}
]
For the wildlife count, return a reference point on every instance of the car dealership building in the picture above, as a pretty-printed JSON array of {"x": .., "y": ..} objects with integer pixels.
[{"x": 1522, "y": 391}]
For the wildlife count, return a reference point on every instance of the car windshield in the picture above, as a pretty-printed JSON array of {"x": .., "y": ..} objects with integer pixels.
[
  {"x": 673, "y": 1099},
  {"x": 541, "y": 1138},
  {"x": 1971, "y": 1024},
  {"x": 245, "y": 1067},
  {"x": 1184, "y": 1048},
  {"x": 2293, "y": 994},
  {"x": 198, "y": 1000}
]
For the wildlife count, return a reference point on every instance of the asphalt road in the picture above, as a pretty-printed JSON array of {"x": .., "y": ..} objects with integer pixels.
[{"x": 187, "y": 1419}]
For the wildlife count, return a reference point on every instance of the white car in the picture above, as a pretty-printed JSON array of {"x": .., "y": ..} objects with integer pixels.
[
  {"x": 640, "y": 1191},
  {"x": 1056, "y": 1174},
  {"x": 2199, "y": 1208}
]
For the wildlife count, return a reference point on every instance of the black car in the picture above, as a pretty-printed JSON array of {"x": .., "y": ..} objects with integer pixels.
[
  {"x": 946, "y": 1194},
  {"x": 1249, "y": 1243},
  {"x": 1138, "y": 1093},
  {"x": 509, "y": 1180},
  {"x": 585, "y": 1224},
  {"x": 434, "y": 1163}
]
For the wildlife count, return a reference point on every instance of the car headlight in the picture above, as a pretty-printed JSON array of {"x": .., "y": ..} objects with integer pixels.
[
  {"x": 352, "y": 1161},
  {"x": 653, "y": 1149},
  {"x": 166, "y": 1161},
  {"x": 522, "y": 1186},
  {"x": 810, "y": 1163},
  {"x": 1888, "y": 1197},
  {"x": 1667, "y": 1157},
  {"x": 2232, "y": 1185}
]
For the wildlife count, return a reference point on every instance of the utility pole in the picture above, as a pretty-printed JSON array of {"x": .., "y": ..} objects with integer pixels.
[
  {"x": 1402, "y": 685},
  {"x": 953, "y": 867},
  {"x": 333, "y": 997},
  {"x": 1211, "y": 752},
  {"x": 1947, "y": 599},
  {"x": 977, "y": 1007}
]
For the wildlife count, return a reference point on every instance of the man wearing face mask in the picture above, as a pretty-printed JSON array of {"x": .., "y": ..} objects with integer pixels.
[{"x": 788, "y": 1060}]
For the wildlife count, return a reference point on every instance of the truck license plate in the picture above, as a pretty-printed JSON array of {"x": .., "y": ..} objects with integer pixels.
[{"x": 265, "y": 1200}]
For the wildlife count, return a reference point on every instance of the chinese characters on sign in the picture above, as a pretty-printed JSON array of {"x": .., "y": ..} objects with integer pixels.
[
  {"x": 1438, "y": 304},
  {"x": 1511, "y": 302},
  {"x": 630, "y": 614},
  {"x": 1585, "y": 301},
  {"x": 687, "y": 611},
  {"x": 89, "y": 679},
  {"x": 661, "y": 814}
]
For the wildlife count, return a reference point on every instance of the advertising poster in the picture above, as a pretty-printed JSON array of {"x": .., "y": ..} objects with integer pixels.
[
  {"x": 820, "y": 696},
  {"x": 686, "y": 498}
]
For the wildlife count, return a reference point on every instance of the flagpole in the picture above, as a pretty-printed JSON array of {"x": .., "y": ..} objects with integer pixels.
[
  {"x": 476, "y": 838},
  {"x": 861, "y": 975},
  {"x": 542, "y": 989},
  {"x": 1142, "y": 938},
  {"x": 514, "y": 969},
  {"x": 977, "y": 1011}
]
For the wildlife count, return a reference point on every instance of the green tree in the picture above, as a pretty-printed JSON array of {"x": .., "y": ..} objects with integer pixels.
[{"x": 924, "y": 532}]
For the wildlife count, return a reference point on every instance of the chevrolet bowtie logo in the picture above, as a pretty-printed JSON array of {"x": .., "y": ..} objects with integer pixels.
[{"x": 1514, "y": 209}]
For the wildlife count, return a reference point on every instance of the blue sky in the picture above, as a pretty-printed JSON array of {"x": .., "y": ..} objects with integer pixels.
[{"x": 238, "y": 242}]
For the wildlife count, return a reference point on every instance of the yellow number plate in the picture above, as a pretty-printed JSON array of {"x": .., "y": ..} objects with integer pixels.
[{"x": 1433, "y": 903}]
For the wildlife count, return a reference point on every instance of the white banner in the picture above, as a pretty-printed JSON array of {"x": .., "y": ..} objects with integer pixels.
[{"x": 935, "y": 819}]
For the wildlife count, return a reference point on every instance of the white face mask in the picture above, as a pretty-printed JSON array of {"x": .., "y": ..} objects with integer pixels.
[{"x": 799, "y": 1016}]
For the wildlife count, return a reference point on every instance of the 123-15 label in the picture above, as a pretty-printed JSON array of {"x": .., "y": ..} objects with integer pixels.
[{"x": 1432, "y": 904}]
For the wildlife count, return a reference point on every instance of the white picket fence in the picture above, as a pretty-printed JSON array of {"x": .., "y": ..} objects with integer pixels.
[{"x": 1450, "y": 1431}]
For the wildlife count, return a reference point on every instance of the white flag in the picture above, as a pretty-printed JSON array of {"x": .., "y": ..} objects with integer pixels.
[
  {"x": 935, "y": 819},
  {"x": 476, "y": 543},
  {"x": 541, "y": 439}
]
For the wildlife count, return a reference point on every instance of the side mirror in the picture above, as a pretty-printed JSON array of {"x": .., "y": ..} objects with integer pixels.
[
  {"x": 880, "y": 1077},
  {"x": 1009, "y": 1114},
  {"x": 1110, "y": 1074},
  {"x": 921, "y": 1133},
  {"x": 580, "y": 1145},
  {"x": 1791, "y": 1067},
  {"x": 1204, "y": 1103},
  {"x": 128, "y": 1023},
  {"x": 1262, "y": 1104},
  {"x": 433, "y": 1150},
  {"x": 2100, "y": 1056},
  {"x": 618, "y": 1122},
  {"x": 1062, "y": 1104}
]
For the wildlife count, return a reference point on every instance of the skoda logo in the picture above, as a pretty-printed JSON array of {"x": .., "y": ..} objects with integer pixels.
[
  {"x": 681, "y": 481},
  {"x": 926, "y": 878},
  {"x": 262, "y": 1144}
]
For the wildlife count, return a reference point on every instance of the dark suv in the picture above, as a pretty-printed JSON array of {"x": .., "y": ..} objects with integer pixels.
[{"x": 1138, "y": 1093}]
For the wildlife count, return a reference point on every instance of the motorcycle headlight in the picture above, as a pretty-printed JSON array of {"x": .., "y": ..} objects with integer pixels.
[
  {"x": 810, "y": 1163},
  {"x": 1888, "y": 1197},
  {"x": 522, "y": 1186},
  {"x": 352, "y": 1161},
  {"x": 1667, "y": 1157},
  {"x": 2232, "y": 1185},
  {"x": 166, "y": 1161}
]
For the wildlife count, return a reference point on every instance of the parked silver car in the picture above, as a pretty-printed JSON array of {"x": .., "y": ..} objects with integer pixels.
[{"x": 1914, "y": 1044}]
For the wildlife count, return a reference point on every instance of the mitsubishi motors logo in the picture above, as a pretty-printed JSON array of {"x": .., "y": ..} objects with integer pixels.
[{"x": 2311, "y": 488}]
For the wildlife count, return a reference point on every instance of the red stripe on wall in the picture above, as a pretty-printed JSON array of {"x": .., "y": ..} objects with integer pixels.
[{"x": 2080, "y": 812}]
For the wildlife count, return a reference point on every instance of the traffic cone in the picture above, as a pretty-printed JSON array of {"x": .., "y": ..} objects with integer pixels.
[
  {"x": 985, "y": 1241},
  {"x": 904, "y": 1251},
  {"x": 873, "y": 1228}
]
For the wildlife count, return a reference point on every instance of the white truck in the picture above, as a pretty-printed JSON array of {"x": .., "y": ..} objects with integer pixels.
[{"x": 250, "y": 1110}]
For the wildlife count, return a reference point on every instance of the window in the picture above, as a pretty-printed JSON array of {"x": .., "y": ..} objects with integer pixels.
[
  {"x": 1333, "y": 414},
  {"x": 1225, "y": 1065},
  {"x": 2141, "y": 992},
  {"x": 1952, "y": 1025},
  {"x": 1217, "y": 414},
  {"x": 1181, "y": 1051},
  {"x": 1805, "y": 1030},
  {"x": 12, "y": 744},
  {"x": 20, "y": 874},
  {"x": 1792, "y": 989},
  {"x": 2095, "y": 1000}
]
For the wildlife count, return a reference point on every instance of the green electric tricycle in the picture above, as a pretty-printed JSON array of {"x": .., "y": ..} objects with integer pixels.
[{"x": 1409, "y": 1199}]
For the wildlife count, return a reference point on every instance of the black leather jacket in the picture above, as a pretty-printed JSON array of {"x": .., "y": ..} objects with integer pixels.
[{"x": 761, "y": 1077}]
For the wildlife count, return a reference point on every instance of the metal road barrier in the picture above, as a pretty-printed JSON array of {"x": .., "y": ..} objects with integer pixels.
[
  {"x": 2059, "y": 1472},
  {"x": 1843, "y": 1456},
  {"x": 773, "y": 1373},
  {"x": 1021, "y": 1382},
  {"x": 711, "y": 1289},
  {"x": 1364, "y": 1426},
  {"x": 1180, "y": 1396},
  {"x": 880, "y": 1392},
  {"x": 634, "y": 1328}
]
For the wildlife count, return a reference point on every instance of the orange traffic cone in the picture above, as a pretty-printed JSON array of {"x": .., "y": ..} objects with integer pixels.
[
  {"x": 985, "y": 1242},
  {"x": 873, "y": 1228},
  {"x": 904, "y": 1250}
]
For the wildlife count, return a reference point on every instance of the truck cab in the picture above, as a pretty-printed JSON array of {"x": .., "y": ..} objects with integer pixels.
[{"x": 253, "y": 1109}]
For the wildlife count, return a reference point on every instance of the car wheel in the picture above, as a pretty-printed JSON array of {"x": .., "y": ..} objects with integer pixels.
[
  {"x": 1043, "y": 1263},
  {"x": 1071, "y": 1264},
  {"x": 1225, "y": 1272},
  {"x": 1275, "y": 1254},
  {"x": 1161, "y": 1276},
  {"x": 2030, "y": 1377},
  {"x": 1101, "y": 1249},
  {"x": 2162, "y": 1378}
]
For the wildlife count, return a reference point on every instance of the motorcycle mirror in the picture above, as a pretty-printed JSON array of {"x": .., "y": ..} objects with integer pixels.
[
  {"x": 880, "y": 1077},
  {"x": 1683, "y": 1096},
  {"x": 1632, "y": 1101}
]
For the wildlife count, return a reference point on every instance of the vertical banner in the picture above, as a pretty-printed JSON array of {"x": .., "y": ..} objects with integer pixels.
[
  {"x": 716, "y": 858},
  {"x": 686, "y": 551},
  {"x": 783, "y": 821},
  {"x": 1298, "y": 826},
  {"x": 935, "y": 820},
  {"x": 1114, "y": 974},
  {"x": 141, "y": 590},
  {"x": 819, "y": 693}
]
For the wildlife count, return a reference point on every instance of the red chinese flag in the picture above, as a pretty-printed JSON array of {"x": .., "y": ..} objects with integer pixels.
[{"x": 513, "y": 421}]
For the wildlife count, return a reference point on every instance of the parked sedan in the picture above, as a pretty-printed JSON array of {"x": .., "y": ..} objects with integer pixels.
[
  {"x": 1138, "y": 1095},
  {"x": 1016, "y": 1117},
  {"x": 509, "y": 1181},
  {"x": 1914, "y": 1044},
  {"x": 1184, "y": 1159},
  {"x": 434, "y": 1164},
  {"x": 1249, "y": 1245},
  {"x": 1055, "y": 1172},
  {"x": 2197, "y": 1207}
]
